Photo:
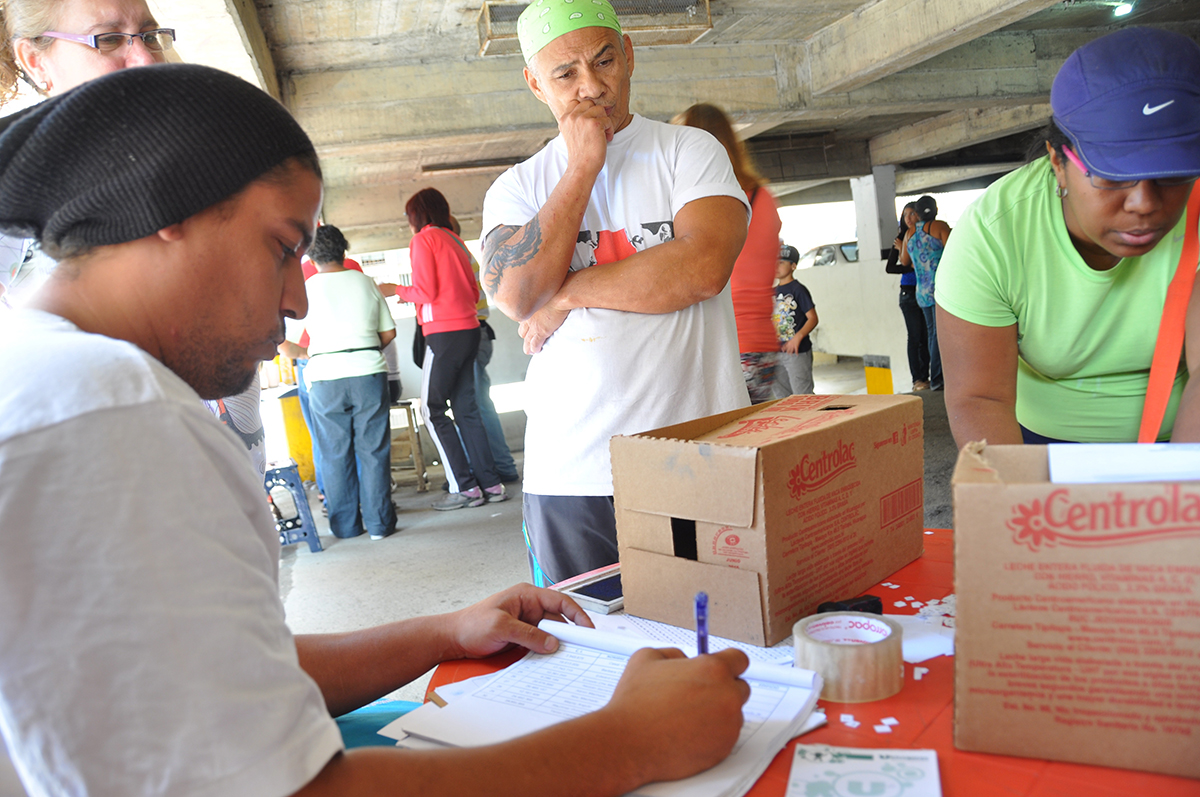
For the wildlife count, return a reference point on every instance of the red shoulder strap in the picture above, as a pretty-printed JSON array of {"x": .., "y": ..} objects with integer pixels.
[{"x": 1169, "y": 344}]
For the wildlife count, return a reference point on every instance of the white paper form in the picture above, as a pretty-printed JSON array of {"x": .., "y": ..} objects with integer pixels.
[
  {"x": 1088, "y": 463},
  {"x": 542, "y": 690},
  {"x": 627, "y": 624}
]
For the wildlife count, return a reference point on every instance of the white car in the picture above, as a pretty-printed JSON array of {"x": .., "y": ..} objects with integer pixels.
[{"x": 829, "y": 255}]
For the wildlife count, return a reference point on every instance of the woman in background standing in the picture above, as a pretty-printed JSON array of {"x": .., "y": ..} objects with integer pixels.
[
  {"x": 923, "y": 246},
  {"x": 914, "y": 319},
  {"x": 753, "y": 279},
  {"x": 445, "y": 293}
]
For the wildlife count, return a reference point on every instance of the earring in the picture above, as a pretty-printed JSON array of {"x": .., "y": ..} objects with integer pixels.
[{"x": 1060, "y": 192}]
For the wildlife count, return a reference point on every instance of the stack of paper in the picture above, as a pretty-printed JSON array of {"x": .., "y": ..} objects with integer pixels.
[{"x": 542, "y": 690}]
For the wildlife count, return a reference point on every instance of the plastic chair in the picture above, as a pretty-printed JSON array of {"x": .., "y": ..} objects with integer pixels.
[{"x": 300, "y": 527}]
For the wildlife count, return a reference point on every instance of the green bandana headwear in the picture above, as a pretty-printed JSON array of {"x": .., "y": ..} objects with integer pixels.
[{"x": 543, "y": 21}]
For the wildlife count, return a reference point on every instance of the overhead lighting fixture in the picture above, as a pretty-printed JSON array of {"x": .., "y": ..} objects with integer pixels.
[
  {"x": 1122, "y": 9},
  {"x": 648, "y": 23}
]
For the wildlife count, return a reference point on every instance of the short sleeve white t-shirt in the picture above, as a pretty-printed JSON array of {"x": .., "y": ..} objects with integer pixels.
[
  {"x": 143, "y": 648},
  {"x": 608, "y": 372},
  {"x": 345, "y": 311}
]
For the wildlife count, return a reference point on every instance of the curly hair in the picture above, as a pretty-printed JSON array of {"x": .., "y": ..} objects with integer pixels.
[
  {"x": 328, "y": 246},
  {"x": 23, "y": 19}
]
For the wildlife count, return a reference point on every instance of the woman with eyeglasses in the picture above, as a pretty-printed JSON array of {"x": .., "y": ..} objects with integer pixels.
[
  {"x": 54, "y": 47},
  {"x": 1051, "y": 290}
]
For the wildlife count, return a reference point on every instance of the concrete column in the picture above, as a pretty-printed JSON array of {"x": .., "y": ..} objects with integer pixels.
[{"x": 875, "y": 212}]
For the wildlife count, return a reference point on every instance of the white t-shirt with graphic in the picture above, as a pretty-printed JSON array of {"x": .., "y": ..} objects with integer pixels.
[{"x": 608, "y": 372}]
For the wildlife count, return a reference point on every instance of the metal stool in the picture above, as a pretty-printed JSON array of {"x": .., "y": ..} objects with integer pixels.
[
  {"x": 414, "y": 442},
  {"x": 302, "y": 526}
]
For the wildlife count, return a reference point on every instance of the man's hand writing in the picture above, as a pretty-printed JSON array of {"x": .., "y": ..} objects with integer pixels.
[{"x": 685, "y": 713}]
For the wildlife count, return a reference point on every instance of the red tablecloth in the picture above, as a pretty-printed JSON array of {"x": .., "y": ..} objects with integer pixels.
[{"x": 925, "y": 710}]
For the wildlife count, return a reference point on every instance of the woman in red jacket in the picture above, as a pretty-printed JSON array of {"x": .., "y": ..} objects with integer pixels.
[{"x": 445, "y": 293}]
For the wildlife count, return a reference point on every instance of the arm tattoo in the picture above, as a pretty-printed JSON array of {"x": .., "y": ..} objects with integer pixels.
[{"x": 507, "y": 247}]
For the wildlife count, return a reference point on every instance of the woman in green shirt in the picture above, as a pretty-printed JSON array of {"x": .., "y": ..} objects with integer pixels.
[{"x": 1052, "y": 287}]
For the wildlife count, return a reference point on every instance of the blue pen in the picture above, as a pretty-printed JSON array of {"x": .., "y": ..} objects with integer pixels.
[{"x": 702, "y": 623}]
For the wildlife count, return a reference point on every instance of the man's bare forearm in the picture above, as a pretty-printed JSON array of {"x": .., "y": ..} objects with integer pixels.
[
  {"x": 523, "y": 267},
  {"x": 357, "y": 667},
  {"x": 679, "y": 273}
]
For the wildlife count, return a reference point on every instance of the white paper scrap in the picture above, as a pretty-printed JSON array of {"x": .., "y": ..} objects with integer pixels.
[
  {"x": 883, "y": 728},
  {"x": 899, "y": 604},
  {"x": 919, "y": 673},
  {"x": 890, "y": 721},
  {"x": 924, "y": 637},
  {"x": 847, "y": 718},
  {"x": 825, "y": 770}
]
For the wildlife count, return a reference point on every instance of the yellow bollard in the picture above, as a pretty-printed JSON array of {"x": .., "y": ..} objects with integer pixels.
[
  {"x": 878, "y": 369},
  {"x": 299, "y": 440}
]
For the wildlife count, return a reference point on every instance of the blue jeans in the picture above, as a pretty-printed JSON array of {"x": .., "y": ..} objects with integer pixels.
[
  {"x": 918, "y": 337},
  {"x": 935, "y": 356},
  {"x": 353, "y": 433},
  {"x": 487, "y": 411}
]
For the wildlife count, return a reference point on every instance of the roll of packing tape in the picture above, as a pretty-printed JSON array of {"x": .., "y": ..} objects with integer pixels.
[{"x": 857, "y": 655}]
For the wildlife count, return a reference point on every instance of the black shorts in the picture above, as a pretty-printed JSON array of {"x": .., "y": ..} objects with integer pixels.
[{"x": 569, "y": 534}]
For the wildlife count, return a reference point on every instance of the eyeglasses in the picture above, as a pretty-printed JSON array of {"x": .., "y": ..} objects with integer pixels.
[
  {"x": 1104, "y": 184},
  {"x": 157, "y": 41}
]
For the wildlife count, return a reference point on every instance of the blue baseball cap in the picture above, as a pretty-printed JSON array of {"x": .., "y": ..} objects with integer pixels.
[{"x": 1130, "y": 104}]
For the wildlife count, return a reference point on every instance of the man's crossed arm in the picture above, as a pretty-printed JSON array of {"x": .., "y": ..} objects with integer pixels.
[{"x": 526, "y": 270}]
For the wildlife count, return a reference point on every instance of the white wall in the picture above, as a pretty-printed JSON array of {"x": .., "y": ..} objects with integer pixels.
[{"x": 859, "y": 312}]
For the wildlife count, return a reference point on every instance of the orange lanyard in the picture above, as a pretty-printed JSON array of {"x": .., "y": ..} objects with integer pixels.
[{"x": 1169, "y": 344}]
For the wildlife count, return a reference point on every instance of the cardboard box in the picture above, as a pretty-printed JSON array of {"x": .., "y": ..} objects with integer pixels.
[
  {"x": 770, "y": 510},
  {"x": 1078, "y": 633}
]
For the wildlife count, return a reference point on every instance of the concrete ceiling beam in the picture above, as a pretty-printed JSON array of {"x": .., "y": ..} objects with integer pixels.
[
  {"x": 883, "y": 38},
  {"x": 955, "y": 130},
  {"x": 223, "y": 34},
  {"x": 915, "y": 181}
]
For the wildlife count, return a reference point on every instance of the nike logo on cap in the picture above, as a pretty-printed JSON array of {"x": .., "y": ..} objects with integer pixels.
[{"x": 1147, "y": 110}]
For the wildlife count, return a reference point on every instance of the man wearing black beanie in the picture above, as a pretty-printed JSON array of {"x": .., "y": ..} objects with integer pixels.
[{"x": 143, "y": 647}]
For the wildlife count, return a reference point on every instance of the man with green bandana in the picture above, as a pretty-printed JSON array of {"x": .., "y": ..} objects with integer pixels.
[{"x": 612, "y": 247}]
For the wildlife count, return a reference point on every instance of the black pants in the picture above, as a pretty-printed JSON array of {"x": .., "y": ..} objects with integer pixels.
[
  {"x": 918, "y": 335},
  {"x": 449, "y": 380}
]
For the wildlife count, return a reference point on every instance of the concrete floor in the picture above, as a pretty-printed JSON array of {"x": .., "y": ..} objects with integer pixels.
[{"x": 442, "y": 561}]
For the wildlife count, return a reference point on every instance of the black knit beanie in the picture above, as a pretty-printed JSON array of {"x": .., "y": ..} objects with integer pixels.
[{"x": 130, "y": 153}]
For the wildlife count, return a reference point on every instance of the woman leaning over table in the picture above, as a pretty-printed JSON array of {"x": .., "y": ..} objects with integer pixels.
[{"x": 1051, "y": 290}]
